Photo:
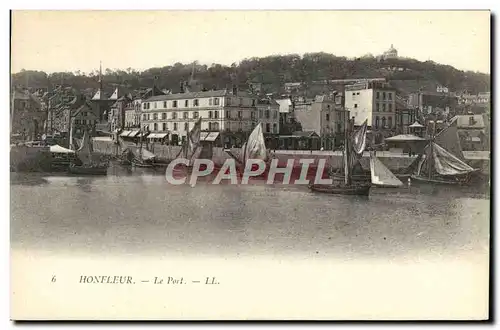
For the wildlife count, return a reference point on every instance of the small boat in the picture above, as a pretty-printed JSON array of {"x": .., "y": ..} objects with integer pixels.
[
  {"x": 353, "y": 189},
  {"x": 85, "y": 164},
  {"x": 358, "y": 184},
  {"x": 355, "y": 144},
  {"x": 97, "y": 169},
  {"x": 438, "y": 166}
]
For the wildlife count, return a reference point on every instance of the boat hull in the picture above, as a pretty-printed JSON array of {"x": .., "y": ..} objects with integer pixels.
[
  {"x": 459, "y": 182},
  {"x": 360, "y": 190},
  {"x": 84, "y": 170}
]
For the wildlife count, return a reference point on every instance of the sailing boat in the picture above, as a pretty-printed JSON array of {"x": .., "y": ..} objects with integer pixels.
[
  {"x": 142, "y": 157},
  {"x": 84, "y": 155},
  {"x": 354, "y": 146},
  {"x": 437, "y": 165},
  {"x": 191, "y": 148},
  {"x": 253, "y": 148}
]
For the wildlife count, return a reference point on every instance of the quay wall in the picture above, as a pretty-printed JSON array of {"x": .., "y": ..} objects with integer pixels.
[{"x": 395, "y": 163}]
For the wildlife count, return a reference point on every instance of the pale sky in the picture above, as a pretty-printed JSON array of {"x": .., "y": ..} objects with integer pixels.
[{"x": 69, "y": 41}]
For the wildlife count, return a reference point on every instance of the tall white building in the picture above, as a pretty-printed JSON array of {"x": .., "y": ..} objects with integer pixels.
[
  {"x": 373, "y": 101},
  {"x": 221, "y": 111}
]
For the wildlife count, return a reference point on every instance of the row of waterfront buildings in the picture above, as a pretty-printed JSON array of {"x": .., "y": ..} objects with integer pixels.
[{"x": 232, "y": 113}]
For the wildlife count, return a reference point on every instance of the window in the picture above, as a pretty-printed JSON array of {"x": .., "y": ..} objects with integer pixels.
[
  {"x": 186, "y": 103},
  {"x": 164, "y": 116},
  {"x": 195, "y": 114},
  {"x": 228, "y": 114},
  {"x": 390, "y": 107},
  {"x": 144, "y": 117},
  {"x": 390, "y": 96},
  {"x": 275, "y": 128},
  {"x": 357, "y": 93},
  {"x": 216, "y": 101},
  {"x": 327, "y": 107},
  {"x": 186, "y": 127},
  {"x": 195, "y": 103},
  {"x": 164, "y": 104},
  {"x": 185, "y": 115},
  {"x": 215, "y": 126},
  {"x": 355, "y": 105},
  {"x": 144, "y": 106},
  {"x": 383, "y": 95},
  {"x": 268, "y": 128},
  {"x": 216, "y": 114},
  {"x": 353, "y": 96},
  {"x": 327, "y": 117},
  {"x": 241, "y": 101},
  {"x": 260, "y": 113},
  {"x": 383, "y": 122},
  {"x": 253, "y": 103},
  {"x": 210, "y": 114},
  {"x": 149, "y": 117},
  {"x": 378, "y": 106},
  {"x": 174, "y": 104},
  {"x": 175, "y": 126},
  {"x": 228, "y": 101},
  {"x": 240, "y": 114},
  {"x": 174, "y": 115},
  {"x": 164, "y": 126},
  {"x": 155, "y": 127},
  {"x": 378, "y": 95},
  {"x": 240, "y": 126},
  {"x": 267, "y": 114},
  {"x": 209, "y": 126},
  {"x": 155, "y": 116},
  {"x": 377, "y": 122},
  {"x": 389, "y": 122},
  {"x": 383, "y": 107},
  {"x": 155, "y": 104},
  {"x": 209, "y": 101}
]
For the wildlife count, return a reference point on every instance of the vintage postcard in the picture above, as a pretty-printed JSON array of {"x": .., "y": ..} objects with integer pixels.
[{"x": 250, "y": 165}]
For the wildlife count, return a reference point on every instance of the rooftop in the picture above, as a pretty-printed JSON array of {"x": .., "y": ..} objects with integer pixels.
[{"x": 194, "y": 95}]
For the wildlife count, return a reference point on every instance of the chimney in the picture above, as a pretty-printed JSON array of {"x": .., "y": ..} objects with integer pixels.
[{"x": 235, "y": 90}]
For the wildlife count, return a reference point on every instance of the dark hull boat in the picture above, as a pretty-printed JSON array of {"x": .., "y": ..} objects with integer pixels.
[
  {"x": 88, "y": 170},
  {"x": 361, "y": 190},
  {"x": 86, "y": 165}
]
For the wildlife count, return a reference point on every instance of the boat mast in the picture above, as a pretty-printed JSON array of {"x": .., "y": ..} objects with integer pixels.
[
  {"x": 347, "y": 171},
  {"x": 431, "y": 157}
]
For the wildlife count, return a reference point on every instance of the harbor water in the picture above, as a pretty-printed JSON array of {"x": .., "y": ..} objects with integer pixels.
[
  {"x": 278, "y": 252},
  {"x": 138, "y": 211}
]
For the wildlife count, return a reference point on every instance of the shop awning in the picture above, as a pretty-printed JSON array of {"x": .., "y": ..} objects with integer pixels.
[
  {"x": 133, "y": 133},
  {"x": 209, "y": 136},
  {"x": 404, "y": 137},
  {"x": 60, "y": 150},
  {"x": 157, "y": 135},
  {"x": 125, "y": 133},
  {"x": 416, "y": 125}
]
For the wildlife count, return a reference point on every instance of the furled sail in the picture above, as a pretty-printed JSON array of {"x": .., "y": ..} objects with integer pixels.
[
  {"x": 255, "y": 147},
  {"x": 357, "y": 145},
  {"x": 192, "y": 148},
  {"x": 359, "y": 138},
  {"x": 381, "y": 175},
  {"x": 84, "y": 153}
]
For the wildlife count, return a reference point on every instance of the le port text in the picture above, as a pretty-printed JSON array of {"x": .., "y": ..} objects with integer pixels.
[{"x": 156, "y": 280}]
